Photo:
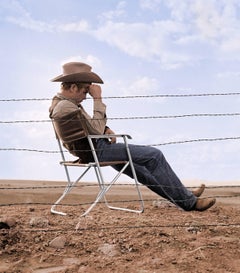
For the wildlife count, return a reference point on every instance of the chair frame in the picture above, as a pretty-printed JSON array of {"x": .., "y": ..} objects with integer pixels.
[{"x": 96, "y": 165}]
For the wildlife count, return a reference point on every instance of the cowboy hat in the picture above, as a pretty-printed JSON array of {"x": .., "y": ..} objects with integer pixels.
[{"x": 77, "y": 72}]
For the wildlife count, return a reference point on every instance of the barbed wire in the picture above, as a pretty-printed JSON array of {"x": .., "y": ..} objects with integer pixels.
[
  {"x": 114, "y": 227},
  {"x": 81, "y": 185},
  {"x": 133, "y": 118},
  {"x": 30, "y": 150},
  {"x": 233, "y": 195},
  {"x": 135, "y": 96},
  {"x": 145, "y": 226},
  {"x": 109, "y": 201},
  {"x": 106, "y": 184},
  {"x": 101, "y": 228},
  {"x": 196, "y": 140},
  {"x": 158, "y": 144}
]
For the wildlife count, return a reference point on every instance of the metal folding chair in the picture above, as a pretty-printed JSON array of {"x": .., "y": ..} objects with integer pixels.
[{"x": 96, "y": 165}]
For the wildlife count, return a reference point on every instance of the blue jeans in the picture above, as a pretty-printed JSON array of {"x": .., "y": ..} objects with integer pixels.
[{"x": 152, "y": 170}]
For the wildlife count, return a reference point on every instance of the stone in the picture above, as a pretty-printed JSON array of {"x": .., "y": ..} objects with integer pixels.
[
  {"x": 162, "y": 204},
  {"x": 108, "y": 249},
  {"x": 10, "y": 221},
  {"x": 39, "y": 222},
  {"x": 58, "y": 242}
]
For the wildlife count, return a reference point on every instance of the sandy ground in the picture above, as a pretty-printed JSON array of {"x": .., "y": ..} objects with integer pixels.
[{"x": 162, "y": 239}]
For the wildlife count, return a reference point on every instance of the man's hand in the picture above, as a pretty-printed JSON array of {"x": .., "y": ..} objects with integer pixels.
[
  {"x": 95, "y": 91},
  {"x": 110, "y": 132}
]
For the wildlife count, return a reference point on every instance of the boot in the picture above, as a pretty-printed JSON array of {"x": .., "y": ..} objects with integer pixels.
[
  {"x": 199, "y": 191},
  {"x": 204, "y": 203}
]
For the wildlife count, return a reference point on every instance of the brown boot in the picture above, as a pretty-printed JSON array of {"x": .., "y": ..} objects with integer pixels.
[
  {"x": 204, "y": 203},
  {"x": 199, "y": 191}
]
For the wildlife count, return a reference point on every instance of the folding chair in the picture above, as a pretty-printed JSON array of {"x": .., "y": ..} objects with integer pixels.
[{"x": 96, "y": 165}]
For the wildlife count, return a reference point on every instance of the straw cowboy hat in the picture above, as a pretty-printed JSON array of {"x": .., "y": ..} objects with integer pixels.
[{"x": 77, "y": 72}]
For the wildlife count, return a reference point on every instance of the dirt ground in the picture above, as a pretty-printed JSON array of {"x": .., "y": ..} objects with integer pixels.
[{"x": 162, "y": 239}]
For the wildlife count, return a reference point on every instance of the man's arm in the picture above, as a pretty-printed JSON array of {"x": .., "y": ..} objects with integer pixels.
[
  {"x": 96, "y": 124},
  {"x": 108, "y": 131}
]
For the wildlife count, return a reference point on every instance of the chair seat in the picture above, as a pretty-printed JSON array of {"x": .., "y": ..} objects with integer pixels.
[{"x": 102, "y": 164}]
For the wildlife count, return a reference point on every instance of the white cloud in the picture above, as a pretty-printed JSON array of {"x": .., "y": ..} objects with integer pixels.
[
  {"x": 127, "y": 37},
  {"x": 143, "y": 86},
  {"x": 232, "y": 44},
  {"x": 229, "y": 74},
  {"x": 89, "y": 59},
  {"x": 116, "y": 13},
  {"x": 179, "y": 10},
  {"x": 140, "y": 86},
  {"x": 207, "y": 19},
  {"x": 28, "y": 22},
  {"x": 14, "y": 7},
  {"x": 80, "y": 26},
  {"x": 214, "y": 24},
  {"x": 151, "y": 5},
  {"x": 215, "y": 21},
  {"x": 151, "y": 41},
  {"x": 22, "y": 18}
]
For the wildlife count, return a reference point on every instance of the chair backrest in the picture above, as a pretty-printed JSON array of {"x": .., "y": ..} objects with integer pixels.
[
  {"x": 61, "y": 150},
  {"x": 58, "y": 141},
  {"x": 81, "y": 147}
]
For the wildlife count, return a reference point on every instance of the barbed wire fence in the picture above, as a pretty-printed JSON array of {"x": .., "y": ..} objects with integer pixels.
[
  {"x": 191, "y": 115},
  {"x": 137, "y": 96}
]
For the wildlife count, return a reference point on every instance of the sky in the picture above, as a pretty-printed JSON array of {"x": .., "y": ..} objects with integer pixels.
[{"x": 143, "y": 50}]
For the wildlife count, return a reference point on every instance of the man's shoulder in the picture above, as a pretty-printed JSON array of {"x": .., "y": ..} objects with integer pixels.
[
  {"x": 65, "y": 102},
  {"x": 65, "y": 107}
]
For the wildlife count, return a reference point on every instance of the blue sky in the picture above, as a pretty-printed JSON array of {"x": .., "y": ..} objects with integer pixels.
[{"x": 139, "y": 48}]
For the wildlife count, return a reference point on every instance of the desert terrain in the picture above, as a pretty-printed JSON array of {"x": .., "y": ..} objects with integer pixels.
[{"x": 161, "y": 239}]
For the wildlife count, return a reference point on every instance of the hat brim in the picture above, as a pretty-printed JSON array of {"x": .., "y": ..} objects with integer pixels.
[{"x": 87, "y": 77}]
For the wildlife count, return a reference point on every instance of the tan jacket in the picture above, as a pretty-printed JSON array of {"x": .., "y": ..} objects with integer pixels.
[{"x": 72, "y": 123}]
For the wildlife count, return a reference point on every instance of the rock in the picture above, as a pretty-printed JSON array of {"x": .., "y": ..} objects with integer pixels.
[
  {"x": 10, "y": 221},
  {"x": 71, "y": 261},
  {"x": 58, "y": 242},
  {"x": 193, "y": 229},
  {"x": 7, "y": 223},
  {"x": 108, "y": 249},
  {"x": 39, "y": 222},
  {"x": 162, "y": 204}
]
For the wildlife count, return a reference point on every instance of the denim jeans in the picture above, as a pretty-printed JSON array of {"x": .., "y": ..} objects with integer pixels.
[{"x": 152, "y": 170}]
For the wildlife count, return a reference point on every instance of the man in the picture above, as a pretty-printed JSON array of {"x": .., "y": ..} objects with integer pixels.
[{"x": 71, "y": 119}]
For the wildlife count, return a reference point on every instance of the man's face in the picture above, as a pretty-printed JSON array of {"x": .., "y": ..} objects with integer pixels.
[{"x": 79, "y": 93}]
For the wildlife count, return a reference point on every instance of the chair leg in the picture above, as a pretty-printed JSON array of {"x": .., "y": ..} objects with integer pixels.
[
  {"x": 126, "y": 209},
  {"x": 68, "y": 188},
  {"x": 104, "y": 190},
  {"x": 100, "y": 195},
  {"x": 132, "y": 210}
]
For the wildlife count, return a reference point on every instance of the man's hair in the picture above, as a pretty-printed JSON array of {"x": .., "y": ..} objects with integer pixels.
[{"x": 67, "y": 85}]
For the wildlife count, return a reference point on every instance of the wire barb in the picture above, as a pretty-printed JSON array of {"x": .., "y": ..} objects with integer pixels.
[{"x": 137, "y": 96}]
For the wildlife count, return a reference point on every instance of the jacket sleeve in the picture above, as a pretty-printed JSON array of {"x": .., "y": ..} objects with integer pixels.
[{"x": 96, "y": 124}]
